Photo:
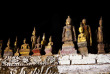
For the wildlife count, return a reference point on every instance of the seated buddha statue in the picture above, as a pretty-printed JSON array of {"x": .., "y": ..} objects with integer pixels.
[
  {"x": 25, "y": 49},
  {"x": 48, "y": 48},
  {"x": 81, "y": 36},
  {"x": 8, "y": 51},
  {"x": 37, "y": 48},
  {"x": 82, "y": 43}
]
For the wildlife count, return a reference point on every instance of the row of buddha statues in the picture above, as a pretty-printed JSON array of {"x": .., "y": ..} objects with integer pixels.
[{"x": 68, "y": 38}]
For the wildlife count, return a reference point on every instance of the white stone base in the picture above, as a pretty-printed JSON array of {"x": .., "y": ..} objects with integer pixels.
[{"x": 64, "y": 62}]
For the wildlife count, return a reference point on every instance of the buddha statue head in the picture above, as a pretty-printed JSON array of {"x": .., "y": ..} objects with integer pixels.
[
  {"x": 68, "y": 21},
  {"x": 84, "y": 21},
  {"x": 43, "y": 38},
  {"x": 8, "y": 43},
  {"x": 15, "y": 44},
  {"x": 50, "y": 39},
  {"x": 34, "y": 32},
  {"x": 100, "y": 21},
  {"x": 81, "y": 28},
  {"x": 24, "y": 41}
]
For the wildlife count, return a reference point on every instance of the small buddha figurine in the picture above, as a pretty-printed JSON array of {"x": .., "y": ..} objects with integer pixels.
[
  {"x": 25, "y": 49},
  {"x": 17, "y": 52},
  {"x": 43, "y": 43},
  {"x": 87, "y": 32},
  {"x": 68, "y": 31},
  {"x": 48, "y": 48},
  {"x": 33, "y": 38},
  {"x": 81, "y": 36},
  {"x": 8, "y": 51},
  {"x": 37, "y": 48},
  {"x": 82, "y": 43},
  {"x": 15, "y": 45},
  {"x": 100, "y": 32}
]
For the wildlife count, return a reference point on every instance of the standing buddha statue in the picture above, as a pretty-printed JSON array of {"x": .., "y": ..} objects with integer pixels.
[
  {"x": 43, "y": 43},
  {"x": 68, "y": 36},
  {"x": 25, "y": 49},
  {"x": 87, "y": 32},
  {"x": 15, "y": 46},
  {"x": 82, "y": 43},
  {"x": 33, "y": 38},
  {"x": 37, "y": 48},
  {"x": 8, "y": 51},
  {"x": 100, "y": 38},
  {"x": 48, "y": 48}
]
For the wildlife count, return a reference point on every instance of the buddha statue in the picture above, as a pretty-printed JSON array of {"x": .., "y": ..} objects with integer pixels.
[
  {"x": 33, "y": 38},
  {"x": 100, "y": 32},
  {"x": 25, "y": 49},
  {"x": 37, "y": 48},
  {"x": 82, "y": 43},
  {"x": 81, "y": 36},
  {"x": 43, "y": 43},
  {"x": 68, "y": 31},
  {"x": 68, "y": 37},
  {"x": 87, "y": 32},
  {"x": 100, "y": 38},
  {"x": 48, "y": 48},
  {"x": 17, "y": 52},
  {"x": 15, "y": 45},
  {"x": 8, "y": 51}
]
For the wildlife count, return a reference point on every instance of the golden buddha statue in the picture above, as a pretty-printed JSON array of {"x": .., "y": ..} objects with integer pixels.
[
  {"x": 33, "y": 38},
  {"x": 82, "y": 43},
  {"x": 87, "y": 32},
  {"x": 100, "y": 32},
  {"x": 48, "y": 48},
  {"x": 17, "y": 53},
  {"x": 43, "y": 42},
  {"x": 81, "y": 36},
  {"x": 15, "y": 45},
  {"x": 25, "y": 49},
  {"x": 8, "y": 51},
  {"x": 68, "y": 31}
]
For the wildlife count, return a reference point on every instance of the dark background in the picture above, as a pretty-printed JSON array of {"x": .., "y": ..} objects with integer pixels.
[{"x": 17, "y": 20}]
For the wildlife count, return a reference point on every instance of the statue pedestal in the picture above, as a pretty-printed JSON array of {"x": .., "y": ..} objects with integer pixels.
[
  {"x": 68, "y": 48},
  {"x": 82, "y": 47},
  {"x": 101, "y": 49},
  {"x": 48, "y": 50},
  {"x": 8, "y": 53},
  {"x": 36, "y": 52}
]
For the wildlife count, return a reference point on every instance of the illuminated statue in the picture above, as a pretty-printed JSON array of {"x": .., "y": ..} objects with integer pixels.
[
  {"x": 17, "y": 53},
  {"x": 43, "y": 43},
  {"x": 68, "y": 31},
  {"x": 100, "y": 38},
  {"x": 68, "y": 36},
  {"x": 15, "y": 45},
  {"x": 48, "y": 49},
  {"x": 87, "y": 32},
  {"x": 37, "y": 48},
  {"x": 25, "y": 49},
  {"x": 33, "y": 38},
  {"x": 81, "y": 36},
  {"x": 82, "y": 43},
  {"x": 100, "y": 32},
  {"x": 8, "y": 51}
]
